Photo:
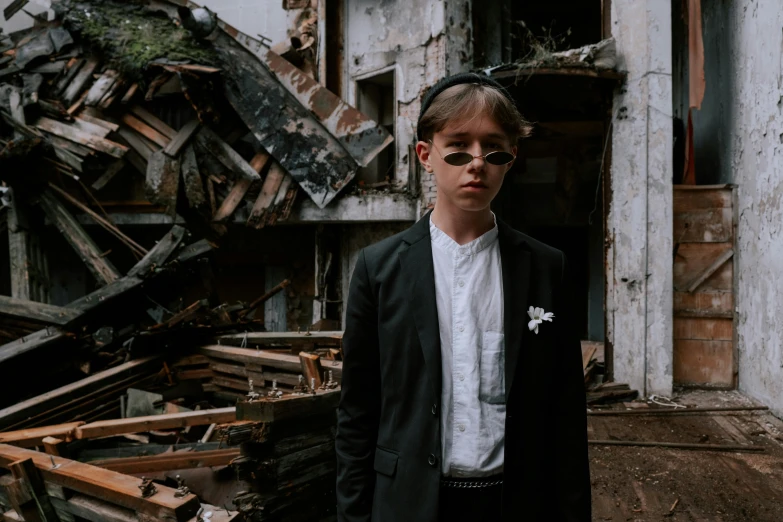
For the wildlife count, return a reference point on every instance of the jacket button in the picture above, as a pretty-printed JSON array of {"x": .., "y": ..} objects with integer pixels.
[
  {"x": 433, "y": 461},
  {"x": 434, "y": 409}
]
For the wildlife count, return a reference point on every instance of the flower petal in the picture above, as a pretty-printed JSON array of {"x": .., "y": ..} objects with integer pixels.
[
  {"x": 532, "y": 325},
  {"x": 531, "y": 312},
  {"x": 548, "y": 317},
  {"x": 536, "y": 330},
  {"x": 539, "y": 312}
]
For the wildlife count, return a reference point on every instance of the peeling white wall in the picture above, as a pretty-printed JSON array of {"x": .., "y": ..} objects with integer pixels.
[
  {"x": 639, "y": 261},
  {"x": 743, "y": 110},
  {"x": 254, "y": 17},
  {"x": 20, "y": 20}
]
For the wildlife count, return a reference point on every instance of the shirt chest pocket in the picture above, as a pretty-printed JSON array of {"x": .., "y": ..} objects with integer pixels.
[{"x": 492, "y": 366}]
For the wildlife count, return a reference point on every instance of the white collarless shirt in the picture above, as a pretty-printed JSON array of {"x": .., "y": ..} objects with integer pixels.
[{"x": 469, "y": 298}]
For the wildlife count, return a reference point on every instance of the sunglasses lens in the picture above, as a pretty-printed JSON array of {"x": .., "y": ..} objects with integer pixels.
[
  {"x": 458, "y": 158},
  {"x": 499, "y": 158}
]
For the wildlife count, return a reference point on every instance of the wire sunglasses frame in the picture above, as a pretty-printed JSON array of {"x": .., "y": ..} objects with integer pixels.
[{"x": 459, "y": 159}]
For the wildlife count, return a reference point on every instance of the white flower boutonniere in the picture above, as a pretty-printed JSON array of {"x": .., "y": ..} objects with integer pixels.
[{"x": 537, "y": 316}]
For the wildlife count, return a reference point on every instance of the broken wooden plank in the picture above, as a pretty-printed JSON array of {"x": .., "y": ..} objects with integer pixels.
[
  {"x": 30, "y": 438},
  {"x": 145, "y": 130},
  {"x": 194, "y": 188},
  {"x": 281, "y": 202},
  {"x": 73, "y": 69},
  {"x": 132, "y": 90},
  {"x": 160, "y": 253},
  {"x": 288, "y": 406},
  {"x": 100, "y": 267},
  {"x": 28, "y": 343},
  {"x": 54, "y": 446},
  {"x": 289, "y": 363},
  {"x": 155, "y": 422},
  {"x": 101, "y": 86},
  {"x": 94, "y": 510},
  {"x": 316, "y": 159},
  {"x": 31, "y": 85},
  {"x": 311, "y": 369},
  {"x": 91, "y": 118},
  {"x": 56, "y": 67},
  {"x": 182, "y": 137},
  {"x": 114, "y": 487},
  {"x": 232, "y": 200},
  {"x": 272, "y": 183},
  {"x": 138, "y": 145},
  {"x": 90, "y": 128},
  {"x": 108, "y": 174},
  {"x": 69, "y": 146},
  {"x": 162, "y": 181},
  {"x": 18, "y": 247},
  {"x": 14, "y": 7},
  {"x": 38, "y": 506},
  {"x": 170, "y": 461},
  {"x": 75, "y": 87},
  {"x": 698, "y": 280},
  {"x": 25, "y": 310},
  {"x": 284, "y": 338},
  {"x": 74, "y": 134},
  {"x": 225, "y": 154},
  {"x": 79, "y": 388},
  {"x": 153, "y": 121}
]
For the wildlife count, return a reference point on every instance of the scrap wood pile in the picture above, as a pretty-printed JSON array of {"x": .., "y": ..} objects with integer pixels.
[
  {"x": 115, "y": 98},
  {"x": 599, "y": 392},
  {"x": 246, "y": 423}
]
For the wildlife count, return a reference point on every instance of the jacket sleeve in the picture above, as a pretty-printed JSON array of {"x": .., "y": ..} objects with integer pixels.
[
  {"x": 572, "y": 465},
  {"x": 358, "y": 414}
]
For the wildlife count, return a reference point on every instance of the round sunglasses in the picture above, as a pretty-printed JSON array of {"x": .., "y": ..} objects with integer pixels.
[{"x": 458, "y": 159}]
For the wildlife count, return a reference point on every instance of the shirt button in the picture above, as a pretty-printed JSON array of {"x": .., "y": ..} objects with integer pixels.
[
  {"x": 461, "y": 427},
  {"x": 461, "y": 282},
  {"x": 460, "y": 377},
  {"x": 432, "y": 460},
  {"x": 461, "y": 328}
]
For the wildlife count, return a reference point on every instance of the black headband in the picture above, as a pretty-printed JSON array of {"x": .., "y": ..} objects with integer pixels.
[{"x": 457, "y": 79}]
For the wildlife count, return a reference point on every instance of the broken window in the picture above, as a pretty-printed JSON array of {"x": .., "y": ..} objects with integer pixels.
[{"x": 375, "y": 97}]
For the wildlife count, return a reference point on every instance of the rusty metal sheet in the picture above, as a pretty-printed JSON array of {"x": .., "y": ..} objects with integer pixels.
[{"x": 286, "y": 129}]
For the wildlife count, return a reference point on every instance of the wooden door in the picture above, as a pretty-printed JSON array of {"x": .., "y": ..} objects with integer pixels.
[{"x": 704, "y": 225}]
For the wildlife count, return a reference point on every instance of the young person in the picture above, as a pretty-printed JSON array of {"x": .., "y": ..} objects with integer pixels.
[{"x": 462, "y": 389}]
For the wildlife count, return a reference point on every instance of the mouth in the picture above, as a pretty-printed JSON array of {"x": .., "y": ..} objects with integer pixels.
[{"x": 475, "y": 185}]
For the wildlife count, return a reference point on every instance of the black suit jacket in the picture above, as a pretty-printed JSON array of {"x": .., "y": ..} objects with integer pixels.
[{"x": 388, "y": 422}]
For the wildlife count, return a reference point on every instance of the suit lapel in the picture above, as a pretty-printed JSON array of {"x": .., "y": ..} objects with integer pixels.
[
  {"x": 515, "y": 262},
  {"x": 419, "y": 272}
]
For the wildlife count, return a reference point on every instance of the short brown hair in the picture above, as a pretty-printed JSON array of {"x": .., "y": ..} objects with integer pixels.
[{"x": 468, "y": 101}]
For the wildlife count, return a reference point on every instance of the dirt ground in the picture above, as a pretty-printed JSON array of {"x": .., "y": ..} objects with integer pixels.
[{"x": 659, "y": 484}]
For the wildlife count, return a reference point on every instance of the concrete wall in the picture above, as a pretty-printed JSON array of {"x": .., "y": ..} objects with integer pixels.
[
  {"x": 639, "y": 224},
  {"x": 740, "y": 128},
  {"x": 20, "y": 20}
]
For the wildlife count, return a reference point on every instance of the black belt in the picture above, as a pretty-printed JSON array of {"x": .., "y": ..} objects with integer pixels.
[{"x": 472, "y": 482}]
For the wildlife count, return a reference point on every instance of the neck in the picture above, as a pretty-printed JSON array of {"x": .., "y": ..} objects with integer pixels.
[{"x": 462, "y": 226}]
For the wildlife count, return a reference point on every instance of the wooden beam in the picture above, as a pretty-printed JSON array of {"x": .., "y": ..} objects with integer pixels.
[
  {"x": 137, "y": 143},
  {"x": 39, "y": 506},
  {"x": 77, "y": 84},
  {"x": 162, "y": 182},
  {"x": 169, "y": 461},
  {"x": 145, "y": 130},
  {"x": 55, "y": 446},
  {"x": 108, "y": 174},
  {"x": 19, "y": 247},
  {"x": 153, "y": 121},
  {"x": 232, "y": 200},
  {"x": 289, "y": 363},
  {"x": 155, "y": 422},
  {"x": 65, "y": 393},
  {"x": 106, "y": 484},
  {"x": 73, "y": 133},
  {"x": 95, "y": 510},
  {"x": 160, "y": 253},
  {"x": 32, "y": 437},
  {"x": 311, "y": 369},
  {"x": 191, "y": 177},
  {"x": 100, "y": 267},
  {"x": 288, "y": 406},
  {"x": 272, "y": 182},
  {"x": 286, "y": 338},
  {"x": 225, "y": 154},
  {"x": 23, "y": 310},
  {"x": 183, "y": 137}
]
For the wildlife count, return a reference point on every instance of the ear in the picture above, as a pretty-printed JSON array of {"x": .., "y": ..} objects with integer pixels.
[
  {"x": 514, "y": 152},
  {"x": 423, "y": 152}
]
